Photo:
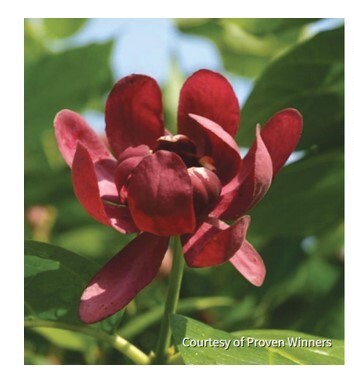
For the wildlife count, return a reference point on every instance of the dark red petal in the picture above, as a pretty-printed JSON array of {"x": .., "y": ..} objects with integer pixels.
[
  {"x": 160, "y": 195},
  {"x": 281, "y": 135},
  {"x": 214, "y": 243},
  {"x": 118, "y": 282},
  {"x": 134, "y": 113},
  {"x": 220, "y": 146},
  {"x": 132, "y": 152},
  {"x": 250, "y": 185},
  {"x": 210, "y": 95},
  {"x": 95, "y": 189},
  {"x": 206, "y": 191},
  {"x": 250, "y": 264},
  {"x": 70, "y": 129},
  {"x": 127, "y": 162}
]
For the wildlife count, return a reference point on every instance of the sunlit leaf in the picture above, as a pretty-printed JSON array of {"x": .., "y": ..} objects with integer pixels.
[{"x": 66, "y": 339}]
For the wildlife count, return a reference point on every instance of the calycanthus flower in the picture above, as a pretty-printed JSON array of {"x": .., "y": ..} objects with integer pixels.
[{"x": 159, "y": 185}]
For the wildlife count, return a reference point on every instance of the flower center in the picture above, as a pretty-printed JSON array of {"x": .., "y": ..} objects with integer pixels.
[{"x": 185, "y": 148}]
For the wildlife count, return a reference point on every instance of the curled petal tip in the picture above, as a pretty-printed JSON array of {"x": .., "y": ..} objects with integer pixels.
[
  {"x": 281, "y": 134},
  {"x": 71, "y": 129}
]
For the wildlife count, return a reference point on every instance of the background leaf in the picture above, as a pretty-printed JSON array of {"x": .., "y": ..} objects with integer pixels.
[
  {"x": 262, "y": 26},
  {"x": 54, "y": 281},
  {"x": 62, "y": 27},
  {"x": 70, "y": 79},
  {"x": 248, "y": 45},
  {"x": 305, "y": 199},
  {"x": 310, "y": 77}
]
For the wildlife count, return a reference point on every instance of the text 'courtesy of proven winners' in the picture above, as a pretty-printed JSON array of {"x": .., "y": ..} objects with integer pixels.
[{"x": 244, "y": 342}]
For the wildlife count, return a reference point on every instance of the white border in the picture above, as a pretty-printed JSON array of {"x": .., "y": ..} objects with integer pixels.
[{"x": 11, "y": 33}]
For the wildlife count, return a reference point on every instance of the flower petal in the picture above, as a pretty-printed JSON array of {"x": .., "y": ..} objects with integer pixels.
[
  {"x": 118, "y": 282},
  {"x": 250, "y": 264},
  {"x": 206, "y": 191},
  {"x": 210, "y": 95},
  {"x": 95, "y": 189},
  {"x": 214, "y": 242},
  {"x": 160, "y": 195},
  {"x": 127, "y": 162},
  {"x": 134, "y": 113},
  {"x": 281, "y": 135},
  {"x": 70, "y": 129},
  {"x": 250, "y": 185},
  {"x": 220, "y": 146}
]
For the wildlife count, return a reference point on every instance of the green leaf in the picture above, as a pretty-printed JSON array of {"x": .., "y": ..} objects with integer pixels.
[
  {"x": 152, "y": 316},
  {"x": 33, "y": 46},
  {"x": 54, "y": 281},
  {"x": 261, "y": 26},
  {"x": 62, "y": 27},
  {"x": 310, "y": 78},
  {"x": 305, "y": 199},
  {"x": 241, "y": 41},
  {"x": 66, "y": 339},
  {"x": 248, "y": 45},
  {"x": 249, "y": 352}
]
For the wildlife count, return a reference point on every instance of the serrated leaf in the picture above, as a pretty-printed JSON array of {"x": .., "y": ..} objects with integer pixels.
[{"x": 248, "y": 352}]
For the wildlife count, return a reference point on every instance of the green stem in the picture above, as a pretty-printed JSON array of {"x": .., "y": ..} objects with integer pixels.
[
  {"x": 118, "y": 342},
  {"x": 141, "y": 322},
  {"x": 174, "y": 286}
]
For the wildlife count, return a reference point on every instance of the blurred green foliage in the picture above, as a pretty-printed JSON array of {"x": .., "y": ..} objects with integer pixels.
[
  {"x": 298, "y": 227},
  {"x": 247, "y": 45}
]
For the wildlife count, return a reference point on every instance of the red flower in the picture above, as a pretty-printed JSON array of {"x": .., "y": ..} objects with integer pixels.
[{"x": 163, "y": 185}]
